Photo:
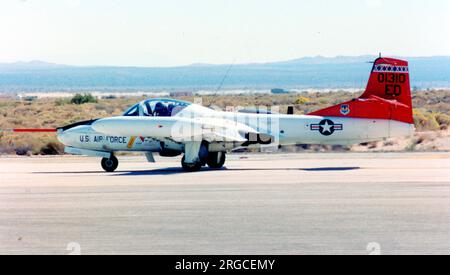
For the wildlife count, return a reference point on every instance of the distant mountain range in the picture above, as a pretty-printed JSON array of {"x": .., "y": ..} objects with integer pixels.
[
  {"x": 305, "y": 73},
  {"x": 32, "y": 65}
]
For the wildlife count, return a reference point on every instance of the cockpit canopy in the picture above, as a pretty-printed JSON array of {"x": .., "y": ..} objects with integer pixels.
[{"x": 157, "y": 108}]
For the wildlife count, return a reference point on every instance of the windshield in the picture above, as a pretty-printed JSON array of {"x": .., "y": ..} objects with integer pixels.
[
  {"x": 133, "y": 111},
  {"x": 157, "y": 107}
]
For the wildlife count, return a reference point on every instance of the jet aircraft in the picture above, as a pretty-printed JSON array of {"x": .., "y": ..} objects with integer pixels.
[{"x": 204, "y": 136}]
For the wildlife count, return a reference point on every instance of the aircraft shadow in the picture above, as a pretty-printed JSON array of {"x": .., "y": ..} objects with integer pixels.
[{"x": 175, "y": 170}]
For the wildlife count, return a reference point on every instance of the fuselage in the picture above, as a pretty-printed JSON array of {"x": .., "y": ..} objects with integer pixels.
[{"x": 150, "y": 133}]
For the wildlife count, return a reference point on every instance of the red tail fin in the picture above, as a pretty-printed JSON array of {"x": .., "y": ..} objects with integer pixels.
[
  {"x": 387, "y": 96},
  {"x": 390, "y": 80}
]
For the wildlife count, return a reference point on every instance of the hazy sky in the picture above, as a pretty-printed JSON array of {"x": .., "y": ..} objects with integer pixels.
[{"x": 177, "y": 32}]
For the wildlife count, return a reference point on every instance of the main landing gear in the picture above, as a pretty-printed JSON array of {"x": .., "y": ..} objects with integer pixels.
[
  {"x": 110, "y": 164},
  {"x": 214, "y": 160},
  {"x": 191, "y": 167}
]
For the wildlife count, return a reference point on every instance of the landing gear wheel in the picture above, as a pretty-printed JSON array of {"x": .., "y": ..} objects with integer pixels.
[
  {"x": 110, "y": 164},
  {"x": 216, "y": 160},
  {"x": 191, "y": 167}
]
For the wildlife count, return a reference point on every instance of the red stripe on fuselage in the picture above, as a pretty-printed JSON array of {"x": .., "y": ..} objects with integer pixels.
[{"x": 34, "y": 130}]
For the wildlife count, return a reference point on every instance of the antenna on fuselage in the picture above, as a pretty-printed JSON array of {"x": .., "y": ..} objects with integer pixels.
[
  {"x": 373, "y": 62},
  {"x": 225, "y": 76},
  {"x": 223, "y": 80}
]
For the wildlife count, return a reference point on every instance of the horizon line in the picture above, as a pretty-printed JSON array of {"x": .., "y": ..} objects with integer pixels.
[{"x": 42, "y": 62}]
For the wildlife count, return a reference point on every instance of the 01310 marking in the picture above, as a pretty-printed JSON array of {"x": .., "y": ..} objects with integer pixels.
[{"x": 393, "y": 81}]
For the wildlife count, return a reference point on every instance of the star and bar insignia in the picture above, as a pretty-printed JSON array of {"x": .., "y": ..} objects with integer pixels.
[{"x": 327, "y": 127}]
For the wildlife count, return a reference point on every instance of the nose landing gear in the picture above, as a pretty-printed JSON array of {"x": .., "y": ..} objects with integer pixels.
[{"x": 110, "y": 164}]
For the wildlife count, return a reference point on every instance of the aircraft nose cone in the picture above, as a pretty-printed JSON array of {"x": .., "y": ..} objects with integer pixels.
[{"x": 63, "y": 138}]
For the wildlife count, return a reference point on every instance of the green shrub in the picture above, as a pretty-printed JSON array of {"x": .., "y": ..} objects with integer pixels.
[
  {"x": 83, "y": 99},
  {"x": 302, "y": 100},
  {"x": 62, "y": 102}
]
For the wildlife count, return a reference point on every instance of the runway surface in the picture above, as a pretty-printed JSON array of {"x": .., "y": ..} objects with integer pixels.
[{"x": 259, "y": 204}]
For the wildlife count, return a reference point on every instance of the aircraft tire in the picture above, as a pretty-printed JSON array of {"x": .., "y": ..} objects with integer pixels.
[
  {"x": 110, "y": 165},
  {"x": 216, "y": 160},
  {"x": 189, "y": 167}
]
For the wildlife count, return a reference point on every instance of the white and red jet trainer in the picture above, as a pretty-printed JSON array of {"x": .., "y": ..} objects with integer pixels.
[{"x": 171, "y": 127}]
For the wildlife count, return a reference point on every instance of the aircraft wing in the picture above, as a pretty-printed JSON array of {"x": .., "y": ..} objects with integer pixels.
[
  {"x": 213, "y": 130},
  {"x": 225, "y": 135},
  {"x": 178, "y": 129}
]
